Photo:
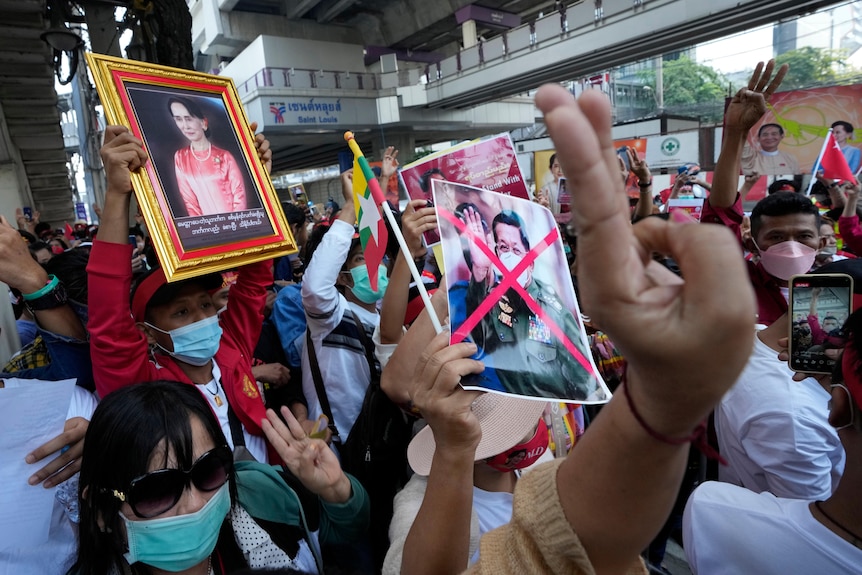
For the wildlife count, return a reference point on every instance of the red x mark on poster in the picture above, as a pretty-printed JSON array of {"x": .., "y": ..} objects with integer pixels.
[{"x": 507, "y": 282}]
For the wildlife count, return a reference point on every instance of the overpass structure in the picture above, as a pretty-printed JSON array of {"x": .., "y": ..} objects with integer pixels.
[
  {"x": 305, "y": 104},
  {"x": 396, "y": 72}
]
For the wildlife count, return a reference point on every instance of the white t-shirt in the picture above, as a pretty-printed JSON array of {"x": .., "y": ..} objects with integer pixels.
[
  {"x": 254, "y": 443},
  {"x": 731, "y": 530},
  {"x": 774, "y": 431},
  {"x": 493, "y": 509},
  {"x": 343, "y": 367}
]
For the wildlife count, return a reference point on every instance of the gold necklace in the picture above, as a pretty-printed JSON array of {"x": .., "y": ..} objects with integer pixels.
[
  {"x": 215, "y": 394},
  {"x": 209, "y": 152}
]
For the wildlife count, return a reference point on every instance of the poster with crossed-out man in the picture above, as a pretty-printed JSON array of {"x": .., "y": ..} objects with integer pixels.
[{"x": 511, "y": 294}]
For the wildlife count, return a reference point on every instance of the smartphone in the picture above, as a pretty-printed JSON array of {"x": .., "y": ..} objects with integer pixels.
[
  {"x": 622, "y": 152},
  {"x": 133, "y": 241},
  {"x": 28, "y": 213},
  {"x": 819, "y": 306},
  {"x": 564, "y": 198}
]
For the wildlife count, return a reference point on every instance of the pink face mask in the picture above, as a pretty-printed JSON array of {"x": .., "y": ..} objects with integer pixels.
[{"x": 787, "y": 259}]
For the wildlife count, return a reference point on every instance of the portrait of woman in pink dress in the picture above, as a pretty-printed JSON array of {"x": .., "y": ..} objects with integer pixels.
[{"x": 209, "y": 178}]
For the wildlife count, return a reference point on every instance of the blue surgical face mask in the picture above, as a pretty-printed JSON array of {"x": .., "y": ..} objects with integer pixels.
[
  {"x": 195, "y": 343},
  {"x": 362, "y": 284},
  {"x": 181, "y": 542}
]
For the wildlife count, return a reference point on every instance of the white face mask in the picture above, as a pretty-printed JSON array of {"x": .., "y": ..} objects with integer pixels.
[{"x": 509, "y": 261}]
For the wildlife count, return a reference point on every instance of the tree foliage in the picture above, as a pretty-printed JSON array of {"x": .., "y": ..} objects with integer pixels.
[
  {"x": 686, "y": 82},
  {"x": 810, "y": 66}
]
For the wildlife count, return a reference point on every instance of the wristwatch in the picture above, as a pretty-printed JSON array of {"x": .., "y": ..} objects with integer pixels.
[{"x": 51, "y": 296}]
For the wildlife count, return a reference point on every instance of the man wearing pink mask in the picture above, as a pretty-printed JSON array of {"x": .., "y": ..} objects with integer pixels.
[
  {"x": 772, "y": 430},
  {"x": 785, "y": 226}
]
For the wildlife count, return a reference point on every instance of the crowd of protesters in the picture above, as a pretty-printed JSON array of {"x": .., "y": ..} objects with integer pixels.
[{"x": 210, "y": 427}]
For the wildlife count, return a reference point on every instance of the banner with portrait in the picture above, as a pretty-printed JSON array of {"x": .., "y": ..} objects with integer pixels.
[
  {"x": 489, "y": 163},
  {"x": 789, "y": 137},
  {"x": 207, "y": 201}
]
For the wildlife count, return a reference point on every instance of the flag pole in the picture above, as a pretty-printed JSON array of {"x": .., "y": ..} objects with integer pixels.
[
  {"x": 817, "y": 163},
  {"x": 405, "y": 251}
]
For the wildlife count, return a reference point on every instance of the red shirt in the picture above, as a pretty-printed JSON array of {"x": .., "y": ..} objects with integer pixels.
[
  {"x": 120, "y": 351},
  {"x": 851, "y": 233},
  {"x": 771, "y": 304}
]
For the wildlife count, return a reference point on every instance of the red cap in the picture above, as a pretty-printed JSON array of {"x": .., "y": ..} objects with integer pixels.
[
  {"x": 145, "y": 291},
  {"x": 155, "y": 281}
]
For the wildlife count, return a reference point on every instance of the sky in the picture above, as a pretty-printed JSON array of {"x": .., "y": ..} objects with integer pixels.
[{"x": 824, "y": 29}]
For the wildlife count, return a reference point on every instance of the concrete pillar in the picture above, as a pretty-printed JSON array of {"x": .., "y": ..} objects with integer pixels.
[
  {"x": 405, "y": 143},
  {"x": 468, "y": 33}
]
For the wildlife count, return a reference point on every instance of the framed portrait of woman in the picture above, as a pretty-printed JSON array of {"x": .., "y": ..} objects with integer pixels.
[{"x": 208, "y": 203}]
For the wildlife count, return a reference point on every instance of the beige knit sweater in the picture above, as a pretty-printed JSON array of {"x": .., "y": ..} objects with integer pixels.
[{"x": 539, "y": 539}]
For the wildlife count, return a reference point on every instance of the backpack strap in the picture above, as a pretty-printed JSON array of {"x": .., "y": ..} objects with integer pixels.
[
  {"x": 318, "y": 384},
  {"x": 367, "y": 345}
]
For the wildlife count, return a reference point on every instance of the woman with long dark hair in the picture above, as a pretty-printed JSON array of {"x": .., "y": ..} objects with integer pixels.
[{"x": 160, "y": 492}]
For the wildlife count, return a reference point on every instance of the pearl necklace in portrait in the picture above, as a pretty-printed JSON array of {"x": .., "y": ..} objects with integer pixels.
[{"x": 209, "y": 152}]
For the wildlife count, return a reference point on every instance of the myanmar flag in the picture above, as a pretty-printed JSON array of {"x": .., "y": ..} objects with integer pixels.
[{"x": 367, "y": 196}]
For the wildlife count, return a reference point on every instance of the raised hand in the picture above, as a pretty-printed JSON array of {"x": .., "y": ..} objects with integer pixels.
[
  {"x": 390, "y": 163},
  {"x": 639, "y": 167},
  {"x": 416, "y": 220},
  {"x": 480, "y": 263},
  {"x": 310, "y": 460},
  {"x": 121, "y": 153},
  {"x": 749, "y": 104},
  {"x": 261, "y": 144},
  {"x": 438, "y": 395},
  {"x": 634, "y": 298},
  {"x": 18, "y": 269}
]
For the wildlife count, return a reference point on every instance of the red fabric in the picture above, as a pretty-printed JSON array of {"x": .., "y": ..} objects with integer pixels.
[
  {"x": 120, "y": 352},
  {"x": 770, "y": 302},
  {"x": 833, "y": 163},
  {"x": 212, "y": 186},
  {"x": 852, "y": 378},
  {"x": 146, "y": 289},
  {"x": 851, "y": 233}
]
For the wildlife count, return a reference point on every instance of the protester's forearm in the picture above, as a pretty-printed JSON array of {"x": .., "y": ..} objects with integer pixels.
[
  {"x": 849, "y": 206},
  {"x": 439, "y": 540},
  {"x": 726, "y": 179},
  {"x": 633, "y": 483},
  {"x": 61, "y": 320},
  {"x": 643, "y": 208},
  {"x": 114, "y": 223},
  {"x": 395, "y": 302}
]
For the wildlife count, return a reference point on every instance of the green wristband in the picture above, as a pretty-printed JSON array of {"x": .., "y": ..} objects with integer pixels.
[{"x": 52, "y": 284}]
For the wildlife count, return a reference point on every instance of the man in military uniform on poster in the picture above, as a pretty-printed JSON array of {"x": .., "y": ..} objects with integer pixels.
[{"x": 520, "y": 352}]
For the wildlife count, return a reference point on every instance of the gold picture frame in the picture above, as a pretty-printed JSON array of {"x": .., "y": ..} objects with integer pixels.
[{"x": 207, "y": 201}]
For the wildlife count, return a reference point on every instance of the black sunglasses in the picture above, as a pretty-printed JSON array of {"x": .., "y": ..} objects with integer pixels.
[{"x": 154, "y": 493}]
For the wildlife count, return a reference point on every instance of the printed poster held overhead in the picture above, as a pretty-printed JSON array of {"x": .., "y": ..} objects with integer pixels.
[
  {"x": 490, "y": 163},
  {"x": 511, "y": 294}
]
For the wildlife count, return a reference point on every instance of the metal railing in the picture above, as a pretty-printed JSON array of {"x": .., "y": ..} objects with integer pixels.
[{"x": 303, "y": 78}]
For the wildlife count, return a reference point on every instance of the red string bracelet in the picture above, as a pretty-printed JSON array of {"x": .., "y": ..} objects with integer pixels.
[{"x": 697, "y": 438}]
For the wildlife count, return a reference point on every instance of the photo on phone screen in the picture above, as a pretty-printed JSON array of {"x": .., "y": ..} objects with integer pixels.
[
  {"x": 819, "y": 306},
  {"x": 28, "y": 213},
  {"x": 564, "y": 198},
  {"x": 622, "y": 152}
]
